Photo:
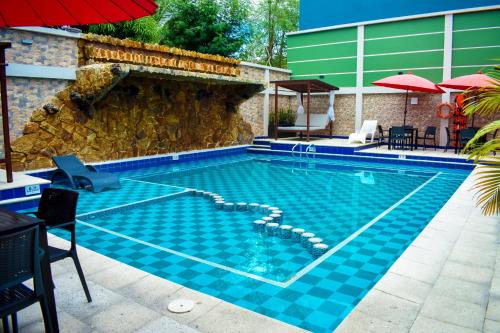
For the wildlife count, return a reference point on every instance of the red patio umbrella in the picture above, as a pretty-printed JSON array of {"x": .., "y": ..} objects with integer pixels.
[
  {"x": 470, "y": 82},
  {"x": 408, "y": 82},
  {"x": 15, "y": 13}
]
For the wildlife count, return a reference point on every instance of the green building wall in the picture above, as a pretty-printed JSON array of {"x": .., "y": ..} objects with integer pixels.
[{"x": 415, "y": 45}]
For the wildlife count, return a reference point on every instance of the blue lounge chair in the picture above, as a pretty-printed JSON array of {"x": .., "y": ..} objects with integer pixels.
[{"x": 80, "y": 175}]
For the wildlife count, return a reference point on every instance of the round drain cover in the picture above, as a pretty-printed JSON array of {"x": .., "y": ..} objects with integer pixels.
[{"x": 181, "y": 306}]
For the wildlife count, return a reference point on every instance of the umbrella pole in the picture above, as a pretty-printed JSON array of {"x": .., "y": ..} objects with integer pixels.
[
  {"x": 5, "y": 114},
  {"x": 474, "y": 114},
  {"x": 406, "y": 108}
]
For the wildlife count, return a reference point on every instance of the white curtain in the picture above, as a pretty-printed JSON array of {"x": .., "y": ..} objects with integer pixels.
[
  {"x": 331, "y": 113},
  {"x": 300, "y": 109}
]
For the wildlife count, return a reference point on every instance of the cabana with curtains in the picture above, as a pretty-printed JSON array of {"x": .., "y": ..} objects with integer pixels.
[{"x": 306, "y": 123}]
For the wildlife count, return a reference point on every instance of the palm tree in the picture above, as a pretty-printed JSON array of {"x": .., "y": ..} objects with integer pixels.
[{"x": 486, "y": 102}]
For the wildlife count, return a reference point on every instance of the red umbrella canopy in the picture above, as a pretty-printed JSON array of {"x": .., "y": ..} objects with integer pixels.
[
  {"x": 15, "y": 13},
  {"x": 466, "y": 82},
  {"x": 409, "y": 82}
]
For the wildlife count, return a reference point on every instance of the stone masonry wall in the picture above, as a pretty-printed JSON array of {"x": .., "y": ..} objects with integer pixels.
[
  {"x": 25, "y": 94},
  {"x": 46, "y": 50},
  {"x": 105, "y": 49},
  {"x": 388, "y": 110},
  {"x": 253, "y": 109},
  {"x": 137, "y": 116}
]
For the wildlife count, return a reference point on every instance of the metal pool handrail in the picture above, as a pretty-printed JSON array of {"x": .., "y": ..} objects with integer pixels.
[
  {"x": 311, "y": 149},
  {"x": 300, "y": 149}
]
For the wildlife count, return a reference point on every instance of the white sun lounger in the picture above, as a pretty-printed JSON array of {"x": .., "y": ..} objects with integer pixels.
[{"x": 369, "y": 127}]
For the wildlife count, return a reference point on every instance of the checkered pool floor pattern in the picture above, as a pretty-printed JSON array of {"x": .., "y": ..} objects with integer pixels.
[{"x": 329, "y": 199}]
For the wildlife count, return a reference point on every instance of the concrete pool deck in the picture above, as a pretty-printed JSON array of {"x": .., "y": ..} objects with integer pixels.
[
  {"x": 448, "y": 280},
  {"x": 126, "y": 299}
]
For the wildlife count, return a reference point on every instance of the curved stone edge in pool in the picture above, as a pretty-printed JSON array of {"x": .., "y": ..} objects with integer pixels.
[{"x": 271, "y": 224}]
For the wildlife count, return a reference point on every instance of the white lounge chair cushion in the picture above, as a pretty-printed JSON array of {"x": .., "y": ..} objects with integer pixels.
[
  {"x": 299, "y": 128},
  {"x": 316, "y": 122}
]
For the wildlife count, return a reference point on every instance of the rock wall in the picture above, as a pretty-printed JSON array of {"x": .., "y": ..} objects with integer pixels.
[
  {"x": 104, "y": 49},
  {"x": 109, "y": 113}
]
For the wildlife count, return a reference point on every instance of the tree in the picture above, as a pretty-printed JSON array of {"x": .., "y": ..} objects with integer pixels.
[
  {"x": 145, "y": 29},
  {"x": 486, "y": 102},
  {"x": 207, "y": 26},
  {"x": 273, "y": 20}
]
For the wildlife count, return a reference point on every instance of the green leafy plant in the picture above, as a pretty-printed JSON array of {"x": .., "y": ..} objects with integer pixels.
[
  {"x": 286, "y": 117},
  {"x": 486, "y": 102},
  {"x": 146, "y": 29}
]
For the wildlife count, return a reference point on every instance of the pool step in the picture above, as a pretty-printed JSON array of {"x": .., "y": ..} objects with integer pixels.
[{"x": 260, "y": 145}]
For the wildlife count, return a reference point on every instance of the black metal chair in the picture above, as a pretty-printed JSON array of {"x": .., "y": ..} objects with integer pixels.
[
  {"x": 430, "y": 134},
  {"x": 448, "y": 139},
  {"x": 381, "y": 135},
  {"x": 398, "y": 135},
  {"x": 465, "y": 135},
  {"x": 58, "y": 209},
  {"x": 20, "y": 261}
]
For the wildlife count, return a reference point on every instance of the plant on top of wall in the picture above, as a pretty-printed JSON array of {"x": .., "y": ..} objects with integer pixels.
[{"x": 486, "y": 102}]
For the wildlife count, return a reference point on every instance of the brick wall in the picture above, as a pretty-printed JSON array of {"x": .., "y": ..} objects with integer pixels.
[
  {"x": 388, "y": 110},
  {"x": 46, "y": 50},
  {"x": 343, "y": 106},
  {"x": 253, "y": 109},
  {"x": 26, "y": 93}
]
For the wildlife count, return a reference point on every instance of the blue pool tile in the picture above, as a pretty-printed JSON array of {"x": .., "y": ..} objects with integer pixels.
[{"x": 317, "y": 301}]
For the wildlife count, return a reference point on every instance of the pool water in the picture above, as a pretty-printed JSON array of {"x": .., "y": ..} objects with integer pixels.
[{"x": 366, "y": 213}]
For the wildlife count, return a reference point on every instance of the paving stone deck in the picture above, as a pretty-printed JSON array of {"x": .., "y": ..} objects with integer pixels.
[
  {"x": 126, "y": 299},
  {"x": 448, "y": 280}
]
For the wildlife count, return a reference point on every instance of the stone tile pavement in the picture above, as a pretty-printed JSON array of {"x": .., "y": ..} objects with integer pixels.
[
  {"x": 448, "y": 280},
  {"x": 126, "y": 299}
]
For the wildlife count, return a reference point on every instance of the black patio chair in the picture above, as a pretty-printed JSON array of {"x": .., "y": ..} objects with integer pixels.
[
  {"x": 430, "y": 134},
  {"x": 448, "y": 139},
  {"x": 398, "y": 135},
  {"x": 58, "y": 209},
  {"x": 382, "y": 136},
  {"x": 466, "y": 135},
  {"x": 19, "y": 262}
]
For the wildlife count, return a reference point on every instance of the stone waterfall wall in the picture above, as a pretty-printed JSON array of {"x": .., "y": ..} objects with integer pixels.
[{"x": 109, "y": 113}]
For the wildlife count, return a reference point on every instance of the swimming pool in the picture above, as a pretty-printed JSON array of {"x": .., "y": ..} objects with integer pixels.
[{"x": 367, "y": 213}]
